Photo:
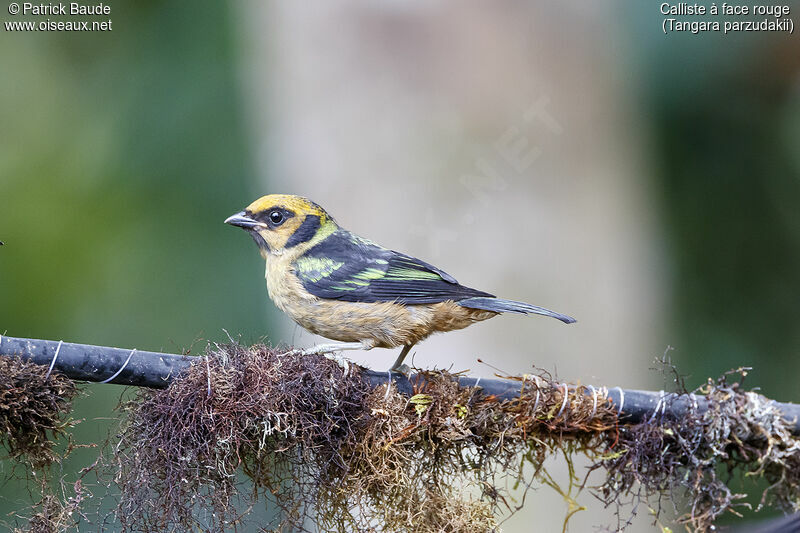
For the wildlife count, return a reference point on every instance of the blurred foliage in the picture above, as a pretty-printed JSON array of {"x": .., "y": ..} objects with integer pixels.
[
  {"x": 726, "y": 125},
  {"x": 726, "y": 139},
  {"x": 121, "y": 153}
]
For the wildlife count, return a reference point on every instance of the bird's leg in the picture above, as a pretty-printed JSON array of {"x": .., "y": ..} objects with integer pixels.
[{"x": 398, "y": 365}]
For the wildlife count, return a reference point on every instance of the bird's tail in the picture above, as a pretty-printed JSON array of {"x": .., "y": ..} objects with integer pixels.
[{"x": 498, "y": 305}]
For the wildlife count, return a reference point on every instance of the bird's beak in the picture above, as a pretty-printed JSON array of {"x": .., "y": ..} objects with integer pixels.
[{"x": 242, "y": 220}]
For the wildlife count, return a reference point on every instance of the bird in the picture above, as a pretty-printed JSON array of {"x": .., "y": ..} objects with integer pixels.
[{"x": 344, "y": 287}]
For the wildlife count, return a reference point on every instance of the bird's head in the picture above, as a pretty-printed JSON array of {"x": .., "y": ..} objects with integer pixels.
[{"x": 279, "y": 222}]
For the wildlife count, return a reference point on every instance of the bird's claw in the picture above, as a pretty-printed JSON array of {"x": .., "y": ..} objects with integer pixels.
[
  {"x": 401, "y": 369},
  {"x": 341, "y": 361},
  {"x": 330, "y": 351}
]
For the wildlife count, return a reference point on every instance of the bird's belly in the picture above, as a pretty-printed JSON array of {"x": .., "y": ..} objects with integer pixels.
[{"x": 381, "y": 324}]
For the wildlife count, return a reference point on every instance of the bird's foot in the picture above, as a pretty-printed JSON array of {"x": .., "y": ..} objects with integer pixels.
[
  {"x": 331, "y": 351},
  {"x": 341, "y": 361},
  {"x": 398, "y": 365},
  {"x": 401, "y": 369}
]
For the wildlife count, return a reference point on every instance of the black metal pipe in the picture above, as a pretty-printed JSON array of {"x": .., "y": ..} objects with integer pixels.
[{"x": 85, "y": 362}]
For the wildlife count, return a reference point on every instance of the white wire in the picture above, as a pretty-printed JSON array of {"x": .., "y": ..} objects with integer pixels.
[
  {"x": 621, "y": 400},
  {"x": 658, "y": 405},
  {"x": 594, "y": 402},
  {"x": 564, "y": 403},
  {"x": 388, "y": 386},
  {"x": 53, "y": 362},
  {"x": 117, "y": 373}
]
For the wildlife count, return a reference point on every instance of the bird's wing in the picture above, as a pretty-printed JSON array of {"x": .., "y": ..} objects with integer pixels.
[{"x": 348, "y": 268}]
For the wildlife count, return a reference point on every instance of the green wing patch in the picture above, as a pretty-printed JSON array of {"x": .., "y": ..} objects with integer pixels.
[
  {"x": 349, "y": 268},
  {"x": 314, "y": 269}
]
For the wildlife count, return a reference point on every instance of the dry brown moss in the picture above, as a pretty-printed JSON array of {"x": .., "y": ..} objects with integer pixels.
[
  {"x": 276, "y": 417},
  {"x": 428, "y": 462},
  {"x": 34, "y": 415},
  {"x": 55, "y": 513},
  {"x": 326, "y": 451},
  {"x": 34, "y": 411},
  {"x": 330, "y": 450},
  {"x": 323, "y": 448},
  {"x": 697, "y": 456}
]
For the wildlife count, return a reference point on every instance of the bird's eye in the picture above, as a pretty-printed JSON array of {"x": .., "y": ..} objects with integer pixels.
[{"x": 276, "y": 217}]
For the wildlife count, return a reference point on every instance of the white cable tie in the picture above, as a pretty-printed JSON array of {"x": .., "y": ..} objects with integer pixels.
[
  {"x": 538, "y": 394},
  {"x": 564, "y": 403},
  {"x": 658, "y": 405},
  {"x": 621, "y": 400},
  {"x": 388, "y": 386},
  {"x": 53, "y": 362},
  {"x": 594, "y": 402},
  {"x": 118, "y": 372}
]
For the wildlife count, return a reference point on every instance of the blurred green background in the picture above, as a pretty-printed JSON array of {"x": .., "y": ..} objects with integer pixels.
[
  {"x": 726, "y": 124},
  {"x": 121, "y": 153}
]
